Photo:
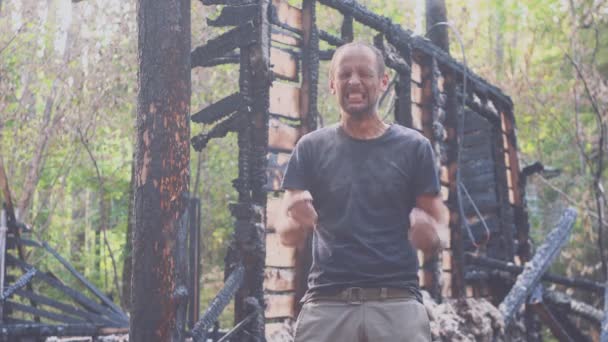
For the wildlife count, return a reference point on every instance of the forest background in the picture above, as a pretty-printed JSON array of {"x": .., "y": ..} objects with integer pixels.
[{"x": 68, "y": 94}]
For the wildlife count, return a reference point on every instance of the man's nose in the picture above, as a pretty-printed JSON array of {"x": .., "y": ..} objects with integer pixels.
[{"x": 354, "y": 79}]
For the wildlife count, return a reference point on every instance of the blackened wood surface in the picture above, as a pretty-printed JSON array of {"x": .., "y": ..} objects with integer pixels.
[
  {"x": 535, "y": 268},
  {"x": 161, "y": 168},
  {"x": 438, "y": 34}
]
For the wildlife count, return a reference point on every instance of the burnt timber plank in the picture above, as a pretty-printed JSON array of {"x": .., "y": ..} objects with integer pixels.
[
  {"x": 285, "y": 37},
  {"x": 288, "y": 14},
  {"x": 273, "y": 205},
  {"x": 43, "y": 330},
  {"x": 68, "y": 309},
  {"x": 282, "y": 136},
  {"x": 219, "y": 109},
  {"x": 280, "y": 305},
  {"x": 234, "y": 15},
  {"x": 42, "y": 313},
  {"x": 239, "y": 36},
  {"x": 279, "y": 279},
  {"x": 535, "y": 268},
  {"x": 75, "y": 295},
  {"x": 277, "y": 254},
  {"x": 495, "y": 264},
  {"x": 86, "y": 283},
  {"x": 285, "y": 100},
  {"x": 284, "y": 64}
]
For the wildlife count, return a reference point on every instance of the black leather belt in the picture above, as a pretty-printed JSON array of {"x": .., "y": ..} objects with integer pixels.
[{"x": 356, "y": 295}]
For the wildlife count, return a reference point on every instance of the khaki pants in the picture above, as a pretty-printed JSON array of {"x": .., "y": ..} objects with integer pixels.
[{"x": 391, "y": 320}]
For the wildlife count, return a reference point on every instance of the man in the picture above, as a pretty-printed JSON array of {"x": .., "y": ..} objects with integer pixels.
[{"x": 362, "y": 187}]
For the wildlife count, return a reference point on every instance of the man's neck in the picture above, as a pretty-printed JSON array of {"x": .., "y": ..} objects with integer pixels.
[{"x": 367, "y": 127}]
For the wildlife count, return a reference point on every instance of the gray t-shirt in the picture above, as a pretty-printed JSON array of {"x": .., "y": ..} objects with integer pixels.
[{"x": 363, "y": 192}]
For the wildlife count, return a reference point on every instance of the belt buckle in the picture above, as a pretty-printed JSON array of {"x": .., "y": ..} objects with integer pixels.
[{"x": 354, "y": 295}]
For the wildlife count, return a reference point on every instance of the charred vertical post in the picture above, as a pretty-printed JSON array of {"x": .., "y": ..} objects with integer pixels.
[
  {"x": 308, "y": 108},
  {"x": 436, "y": 13},
  {"x": 161, "y": 170},
  {"x": 254, "y": 84},
  {"x": 455, "y": 119}
]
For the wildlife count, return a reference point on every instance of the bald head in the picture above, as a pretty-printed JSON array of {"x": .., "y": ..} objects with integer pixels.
[{"x": 364, "y": 48}]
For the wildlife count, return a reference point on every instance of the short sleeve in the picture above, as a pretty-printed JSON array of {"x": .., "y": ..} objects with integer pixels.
[
  {"x": 297, "y": 174},
  {"x": 426, "y": 180}
]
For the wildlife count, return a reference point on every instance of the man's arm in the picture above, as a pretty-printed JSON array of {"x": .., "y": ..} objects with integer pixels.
[
  {"x": 297, "y": 217},
  {"x": 429, "y": 224}
]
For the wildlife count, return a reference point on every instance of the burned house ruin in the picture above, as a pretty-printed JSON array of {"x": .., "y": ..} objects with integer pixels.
[{"x": 470, "y": 123}]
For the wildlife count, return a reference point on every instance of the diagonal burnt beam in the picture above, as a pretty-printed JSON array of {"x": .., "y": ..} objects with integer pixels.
[
  {"x": 565, "y": 302},
  {"x": 219, "y": 109},
  {"x": 555, "y": 317},
  {"x": 231, "y": 124},
  {"x": 547, "y": 316},
  {"x": 239, "y": 36},
  {"x": 535, "y": 268}
]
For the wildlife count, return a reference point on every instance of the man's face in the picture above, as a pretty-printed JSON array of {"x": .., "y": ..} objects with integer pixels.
[{"x": 356, "y": 81}]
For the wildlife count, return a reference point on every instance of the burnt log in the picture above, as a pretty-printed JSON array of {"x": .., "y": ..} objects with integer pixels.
[
  {"x": 489, "y": 263},
  {"x": 536, "y": 267},
  {"x": 239, "y": 36}
]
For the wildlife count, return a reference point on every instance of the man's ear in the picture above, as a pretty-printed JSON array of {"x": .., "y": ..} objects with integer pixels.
[
  {"x": 332, "y": 85},
  {"x": 385, "y": 81}
]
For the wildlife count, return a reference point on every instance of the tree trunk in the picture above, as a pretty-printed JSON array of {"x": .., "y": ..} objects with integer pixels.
[
  {"x": 161, "y": 171},
  {"x": 437, "y": 13},
  {"x": 128, "y": 260}
]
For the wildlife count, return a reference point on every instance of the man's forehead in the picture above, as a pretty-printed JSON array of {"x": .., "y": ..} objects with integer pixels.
[{"x": 356, "y": 51}]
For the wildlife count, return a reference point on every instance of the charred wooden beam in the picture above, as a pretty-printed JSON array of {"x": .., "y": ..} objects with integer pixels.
[
  {"x": 105, "y": 300},
  {"x": 346, "y": 30},
  {"x": 404, "y": 40},
  {"x": 551, "y": 321},
  {"x": 232, "y": 58},
  {"x": 69, "y": 309},
  {"x": 557, "y": 320},
  {"x": 15, "y": 331},
  {"x": 219, "y": 109},
  {"x": 238, "y": 37},
  {"x": 490, "y": 263},
  {"x": 215, "y": 308},
  {"x": 231, "y": 124},
  {"x": 42, "y": 313},
  {"x": 21, "y": 282},
  {"x": 78, "y": 297},
  {"x": 535, "y": 268},
  {"x": 565, "y": 302},
  {"x": 391, "y": 57},
  {"x": 326, "y": 55},
  {"x": 330, "y": 38},
  {"x": 234, "y": 15}
]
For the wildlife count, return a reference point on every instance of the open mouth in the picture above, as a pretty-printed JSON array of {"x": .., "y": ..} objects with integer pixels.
[{"x": 355, "y": 97}]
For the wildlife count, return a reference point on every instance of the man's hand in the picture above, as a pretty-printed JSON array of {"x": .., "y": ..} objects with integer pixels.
[
  {"x": 298, "y": 217},
  {"x": 428, "y": 224},
  {"x": 423, "y": 234},
  {"x": 302, "y": 211}
]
